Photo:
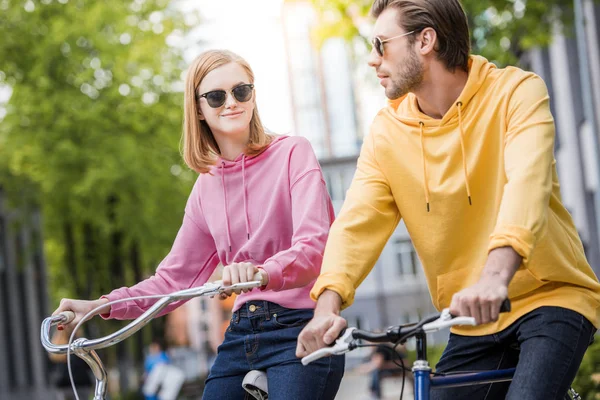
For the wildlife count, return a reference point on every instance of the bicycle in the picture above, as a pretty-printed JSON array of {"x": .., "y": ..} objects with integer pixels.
[
  {"x": 424, "y": 379},
  {"x": 86, "y": 348}
]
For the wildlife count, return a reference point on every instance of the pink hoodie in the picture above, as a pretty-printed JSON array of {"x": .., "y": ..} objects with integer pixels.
[{"x": 272, "y": 210}]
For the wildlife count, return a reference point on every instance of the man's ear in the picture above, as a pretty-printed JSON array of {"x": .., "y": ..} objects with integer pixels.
[{"x": 428, "y": 40}]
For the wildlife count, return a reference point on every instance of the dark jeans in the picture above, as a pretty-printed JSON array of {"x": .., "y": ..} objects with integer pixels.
[
  {"x": 265, "y": 339},
  {"x": 546, "y": 346}
]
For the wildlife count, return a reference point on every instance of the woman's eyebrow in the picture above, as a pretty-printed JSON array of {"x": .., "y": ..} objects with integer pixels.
[{"x": 233, "y": 87}]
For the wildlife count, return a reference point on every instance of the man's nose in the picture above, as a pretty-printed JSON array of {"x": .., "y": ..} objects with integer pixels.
[{"x": 374, "y": 60}]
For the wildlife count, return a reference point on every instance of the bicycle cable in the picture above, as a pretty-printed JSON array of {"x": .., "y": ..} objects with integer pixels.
[
  {"x": 397, "y": 354},
  {"x": 91, "y": 314},
  {"x": 403, "y": 369}
]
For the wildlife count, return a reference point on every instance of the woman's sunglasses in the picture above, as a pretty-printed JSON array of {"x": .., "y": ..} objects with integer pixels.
[
  {"x": 216, "y": 98},
  {"x": 378, "y": 43}
]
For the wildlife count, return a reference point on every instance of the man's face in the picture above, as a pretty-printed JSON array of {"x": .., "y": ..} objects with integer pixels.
[{"x": 400, "y": 69}]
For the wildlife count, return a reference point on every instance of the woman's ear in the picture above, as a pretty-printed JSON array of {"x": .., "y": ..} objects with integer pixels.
[{"x": 200, "y": 115}]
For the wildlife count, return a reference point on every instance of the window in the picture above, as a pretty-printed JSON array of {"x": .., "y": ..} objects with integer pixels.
[{"x": 408, "y": 262}]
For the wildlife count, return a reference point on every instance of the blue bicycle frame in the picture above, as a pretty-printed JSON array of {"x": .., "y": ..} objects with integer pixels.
[{"x": 424, "y": 382}]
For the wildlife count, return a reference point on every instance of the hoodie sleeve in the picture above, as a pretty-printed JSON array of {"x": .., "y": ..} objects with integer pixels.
[
  {"x": 190, "y": 263},
  {"x": 312, "y": 215},
  {"x": 365, "y": 223},
  {"x": 528, "y": 160}
]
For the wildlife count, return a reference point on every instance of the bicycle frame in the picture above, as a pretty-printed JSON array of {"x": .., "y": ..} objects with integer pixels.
[{"x": 424, "y": 382}]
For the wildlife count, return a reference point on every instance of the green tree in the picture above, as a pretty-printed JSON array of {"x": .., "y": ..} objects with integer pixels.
[
  {"x": 500, "y": 29},
  {"x": 91, "y": 134},
  {"x": 94, "y": 124}
]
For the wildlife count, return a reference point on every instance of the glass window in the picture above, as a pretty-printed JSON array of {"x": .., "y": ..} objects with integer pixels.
[{"x": 406, "y": 256}]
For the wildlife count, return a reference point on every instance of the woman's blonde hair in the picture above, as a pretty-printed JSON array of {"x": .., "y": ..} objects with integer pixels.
[{"x": 200, "y": 149}]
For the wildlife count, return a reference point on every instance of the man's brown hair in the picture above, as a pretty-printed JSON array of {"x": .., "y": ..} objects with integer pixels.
[{"x": 446, "y": 17}]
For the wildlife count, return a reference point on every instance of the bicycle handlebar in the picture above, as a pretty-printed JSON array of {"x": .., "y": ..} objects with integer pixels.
[
  {"x": 346, "y": 341},
  {"x": 84, "y": 348},
  {"x": 208, "y": 289}
]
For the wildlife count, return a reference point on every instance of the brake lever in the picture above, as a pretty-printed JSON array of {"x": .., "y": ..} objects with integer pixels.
[{"x": 342, "y": 345}]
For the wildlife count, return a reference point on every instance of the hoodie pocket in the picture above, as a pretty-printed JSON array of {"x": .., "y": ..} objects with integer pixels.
[
  {"x": 454, "y": 281},
  {"x": 522, "y": 283}
]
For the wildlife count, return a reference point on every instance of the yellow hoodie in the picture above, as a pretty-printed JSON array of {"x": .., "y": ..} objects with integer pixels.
[{"x": 482, "y": 177}]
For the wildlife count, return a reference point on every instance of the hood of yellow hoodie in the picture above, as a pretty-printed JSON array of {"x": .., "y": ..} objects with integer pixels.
[{"x": 406, "y": 111}]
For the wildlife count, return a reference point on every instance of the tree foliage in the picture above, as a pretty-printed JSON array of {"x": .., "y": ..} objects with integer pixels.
[
  {"x": 91, "y": 134},
  {"x": 500, "y": 29}
]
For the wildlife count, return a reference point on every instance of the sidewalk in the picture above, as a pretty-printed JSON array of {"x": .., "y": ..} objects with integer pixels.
[{"x": 356, "y": 387}]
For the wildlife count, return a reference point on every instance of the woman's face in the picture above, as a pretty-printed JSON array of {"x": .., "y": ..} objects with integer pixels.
[{"x": 231, "y": 120}]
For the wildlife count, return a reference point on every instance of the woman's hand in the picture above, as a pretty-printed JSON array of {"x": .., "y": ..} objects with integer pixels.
[
  {"x": 80, "y": 308},
  {"x": 240, "y": 273}
]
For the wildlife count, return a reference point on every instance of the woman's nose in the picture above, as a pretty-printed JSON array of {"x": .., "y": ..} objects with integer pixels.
[{"x": 230, "y": 100}]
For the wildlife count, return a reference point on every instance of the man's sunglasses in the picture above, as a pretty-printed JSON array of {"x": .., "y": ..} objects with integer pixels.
[
  {"x": 378, "y": 43},
  {"x": 217, "y": 98}
]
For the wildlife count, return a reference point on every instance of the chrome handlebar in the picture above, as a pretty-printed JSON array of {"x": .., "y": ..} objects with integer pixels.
[{"x": 84, "y": 348}]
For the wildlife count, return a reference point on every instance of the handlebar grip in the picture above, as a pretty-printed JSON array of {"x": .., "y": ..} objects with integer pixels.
[
  {"x": 68, "y": 316},
  {"x": 505, "y": 306},
  {"x": 259, "y": 276},
  {"x": 326, "y": 351}
]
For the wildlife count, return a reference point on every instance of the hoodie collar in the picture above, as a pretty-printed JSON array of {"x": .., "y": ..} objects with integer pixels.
[{"x": 407, "y": 110}]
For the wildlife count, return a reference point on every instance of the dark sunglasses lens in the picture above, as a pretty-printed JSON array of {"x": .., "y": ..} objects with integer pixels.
[
  {"x": 242, "y": 93},
  {"x": 216, "y": 99},
  {"x": 378, "y": 46}
]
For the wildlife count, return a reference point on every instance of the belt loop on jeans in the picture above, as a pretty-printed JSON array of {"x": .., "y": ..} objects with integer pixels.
[{"x": 267, "y": 311}]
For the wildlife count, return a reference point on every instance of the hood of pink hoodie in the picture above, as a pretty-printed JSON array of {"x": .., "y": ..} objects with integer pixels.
[{"x": 241, "y": 162}]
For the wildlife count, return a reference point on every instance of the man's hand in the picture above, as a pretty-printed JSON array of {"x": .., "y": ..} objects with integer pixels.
[
  {"x": 324, "y": 328},
  {"x": 482, "y": 301}
]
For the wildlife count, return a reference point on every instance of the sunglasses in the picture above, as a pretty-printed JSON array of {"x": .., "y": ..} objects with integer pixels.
[
  {"x": 217, "y": 98},
  {"x": 378, "y": 43}
]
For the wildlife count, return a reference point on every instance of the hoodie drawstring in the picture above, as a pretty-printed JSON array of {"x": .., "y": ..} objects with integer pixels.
[
  {"x": 245, "y": 197},
  {"x": 464, "y": 159},
  {"x": 462, "y": 147},
  {"x": 421, "y": 124},
  {"x": 225, "y": 196}
]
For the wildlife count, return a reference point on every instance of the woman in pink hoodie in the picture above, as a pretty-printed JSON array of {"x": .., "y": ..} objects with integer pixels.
[{"x": 260, "y": 204}]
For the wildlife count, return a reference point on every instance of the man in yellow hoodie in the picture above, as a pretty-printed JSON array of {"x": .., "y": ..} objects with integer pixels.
[{"x": 464, "y": 154}]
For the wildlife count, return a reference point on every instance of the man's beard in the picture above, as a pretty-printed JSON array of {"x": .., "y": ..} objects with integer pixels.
[{"x": 410, "y": 77}]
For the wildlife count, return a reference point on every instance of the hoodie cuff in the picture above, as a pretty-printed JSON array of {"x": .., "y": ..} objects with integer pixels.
[
  {"x": 117, "y": 310},
  {"x": 275, "y": 272},
  {"x": 522, "y": 240},
  {"x": 342, "y": 285}
]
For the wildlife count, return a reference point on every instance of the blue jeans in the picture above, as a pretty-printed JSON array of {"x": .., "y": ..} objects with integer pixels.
[
  {"x": 263, "y": 335},
  {"x": 546, "y": 346}
]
